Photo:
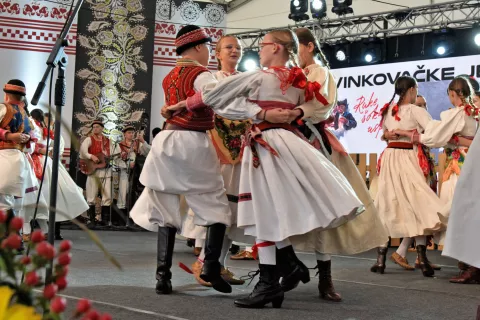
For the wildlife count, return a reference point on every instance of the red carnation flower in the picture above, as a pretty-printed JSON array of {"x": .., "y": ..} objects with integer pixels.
[
  {"x": 37, "y": 236},
  {"x": 58, "y": 305},
  {"x": 32, "y": 279},
  {"x": 61, "y": 283},
  {"x": 16, "y": 224},
  {"x": 46, "y": 250},
  {"x": 50, "y": 291}
]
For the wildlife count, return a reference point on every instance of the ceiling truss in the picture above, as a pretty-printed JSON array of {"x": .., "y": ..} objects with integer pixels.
[{"x": 454, "y": 14}]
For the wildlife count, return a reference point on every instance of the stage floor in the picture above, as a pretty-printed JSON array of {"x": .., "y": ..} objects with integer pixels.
[{"x": 130, "y": 294}]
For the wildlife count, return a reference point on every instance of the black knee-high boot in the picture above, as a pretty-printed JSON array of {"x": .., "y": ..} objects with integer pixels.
[
  {"x": 325, "y": 284},
  {"x": 425, "y": 266},
  {"x": 291, "y": 269},
  {"x": 165, "y": 245},
  {"x": 379, "y": 266},
  {"x": 211, "y": 271},
  {"x": 266, "y": 290}
]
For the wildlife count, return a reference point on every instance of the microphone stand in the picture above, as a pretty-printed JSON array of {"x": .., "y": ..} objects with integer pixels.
[{"x": 57, "y": 58}]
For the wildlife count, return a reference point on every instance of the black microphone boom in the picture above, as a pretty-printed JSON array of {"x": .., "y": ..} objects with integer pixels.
[{"x": 57, "y": 58}]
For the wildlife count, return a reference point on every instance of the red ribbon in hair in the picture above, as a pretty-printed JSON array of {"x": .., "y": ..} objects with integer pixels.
[
  {"x": 472, "y": 111},
  {"x": 395, "y": 112}
]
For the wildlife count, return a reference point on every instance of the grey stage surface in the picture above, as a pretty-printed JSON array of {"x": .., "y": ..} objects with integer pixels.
[{"x": 130, "y": 294}]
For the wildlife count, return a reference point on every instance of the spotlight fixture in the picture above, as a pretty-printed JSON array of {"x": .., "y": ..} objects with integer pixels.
[
  {"x": 250, "y": 61},
  {"x": 298, "y": 10},
  {"x": 342, "y": 7},
  {"x": 476, "y": 34},
  {"x": 341, "y": 50},
  {"x": 443, "y": 42},
  {"x": 372, "y": 50},
  {"x": 318, "y": 8},
  {"x": 341, "y": 55}
]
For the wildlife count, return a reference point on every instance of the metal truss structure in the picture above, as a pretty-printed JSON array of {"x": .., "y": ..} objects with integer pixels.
[{"x": 454, "y": 14}]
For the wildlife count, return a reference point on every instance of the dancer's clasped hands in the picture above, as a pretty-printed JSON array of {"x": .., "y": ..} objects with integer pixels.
[{"x": 277, "y": 115}]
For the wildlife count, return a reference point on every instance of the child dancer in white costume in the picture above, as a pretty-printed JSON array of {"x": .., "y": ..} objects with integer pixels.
[{"x": 287, "y": 187}]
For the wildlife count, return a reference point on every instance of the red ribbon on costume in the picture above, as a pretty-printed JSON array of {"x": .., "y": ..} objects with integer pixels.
[
  {"x": 185, "y": 268},
  {"x": 260, "y": 245},
  {"x": 37, "y": 165},
  {"x": 423, "y": 161},
  {"x": 255, "y": 135},
  {"x": 313, "y": 89}
]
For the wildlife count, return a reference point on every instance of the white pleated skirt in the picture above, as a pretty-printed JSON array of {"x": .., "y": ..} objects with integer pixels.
[{"x": 293, "y": 193}]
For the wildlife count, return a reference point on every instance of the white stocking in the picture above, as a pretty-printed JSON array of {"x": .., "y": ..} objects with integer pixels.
[
  {"x": 323, "y": 256},
  {"x": 403, "y": 247},
  {"x": 266, "y": 252}
]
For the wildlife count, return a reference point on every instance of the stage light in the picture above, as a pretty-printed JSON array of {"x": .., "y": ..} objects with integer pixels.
[
  {"x": 368, "y": 57},
  {"x": 441, "y": 50},
  {"x": 341, "y": 49},
  {"x": 443, "y": 42},
  {"x": 250, "y": 61},
  {"x": 372, "y": 50},
  {"x": 477, "y": 39},
  {"x": 298, "y": 10},
  {"x": 342, "y": 7},
  {"x": 318, "y": 8},
  {"x": 250, "y": 65},
  {"x": 341, "y": 55}
]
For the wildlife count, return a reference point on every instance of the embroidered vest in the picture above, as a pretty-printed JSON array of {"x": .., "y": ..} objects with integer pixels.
[
  {"x": 178, "y": 86},
  {"x": 15, "y": 121},
  {"x": 102, "y": 146}
]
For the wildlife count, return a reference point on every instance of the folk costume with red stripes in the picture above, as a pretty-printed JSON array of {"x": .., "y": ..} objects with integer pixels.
[
  {"x": 101, "y": 180},
  {"x": 287, "y": 187},
  {"x": 18, "y": 185},
  {"x": 182, "y": 161}
]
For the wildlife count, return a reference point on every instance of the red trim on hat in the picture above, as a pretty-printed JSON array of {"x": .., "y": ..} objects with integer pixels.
[
  {"x": 11, "y": 87},
  {"x": 190, "y": 37}
]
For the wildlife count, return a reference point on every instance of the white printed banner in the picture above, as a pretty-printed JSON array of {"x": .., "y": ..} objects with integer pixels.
[{"x": 362, "y": 92}]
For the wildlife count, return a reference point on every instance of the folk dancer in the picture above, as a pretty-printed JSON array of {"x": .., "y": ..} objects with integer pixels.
[
  {"x": 407, "y": 205},
  {"x": 287, "y": 187},
  {"x": 226, "y": 138},
  {"x": 182, "y": 161},
  {"x": 14, "y": 138},
  {"x": 70, "y": 200},
  {"x": 358, "y": 235},
  {"x": 460, "y": 121}
]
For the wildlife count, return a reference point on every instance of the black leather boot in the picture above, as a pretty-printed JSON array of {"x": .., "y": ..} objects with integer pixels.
[
  {"x": 379, "y": 266},
  {"x": 58, "y": 235},
  {"x": 105, "y": 215},
  {"x": 165, "y": 245},
  {"x": 325, "y": 284},
  {"x": 266, "y": 290},
  {"x": 423, "y": 262},
  {"x": 211, "y": 271},
  {"x": 91, "y": 216},
  {"x": 291, "y": 269}
]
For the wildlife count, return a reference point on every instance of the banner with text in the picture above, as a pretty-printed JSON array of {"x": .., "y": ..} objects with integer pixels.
[{"x": 362, "y": 91}]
